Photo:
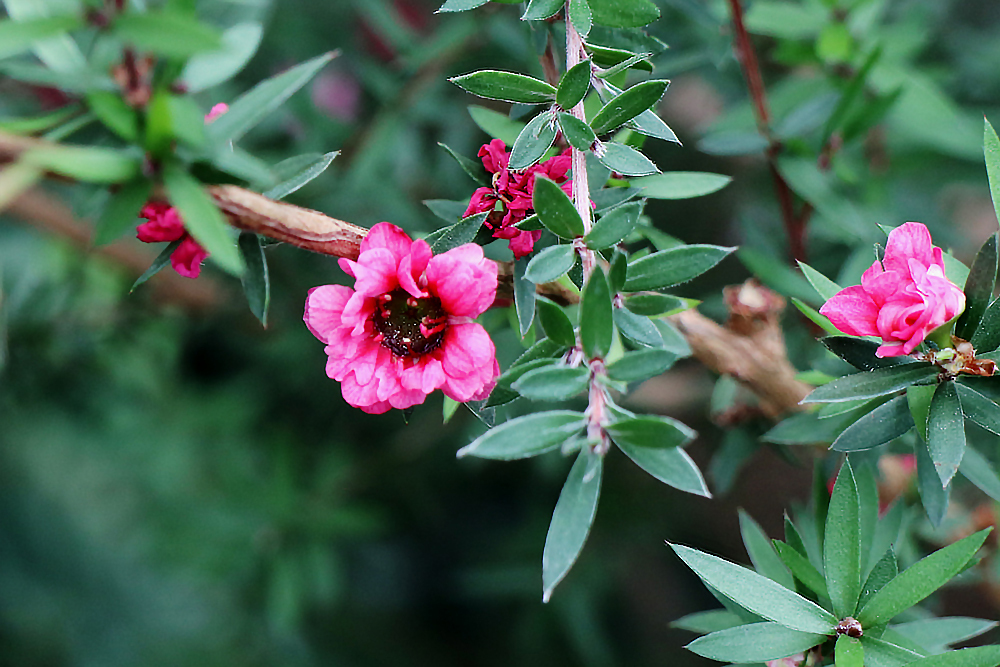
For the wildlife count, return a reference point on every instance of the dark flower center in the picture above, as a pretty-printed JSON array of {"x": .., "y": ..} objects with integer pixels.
[{"x": 410, "y": 326}]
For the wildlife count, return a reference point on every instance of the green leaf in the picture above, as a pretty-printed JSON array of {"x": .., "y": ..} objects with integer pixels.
[
  {"x": 756, "y": 593},
  {"x": 638, "y": 329},
  {"x": 90, "y": 164},
  {"x": 19, "y": 36},
  {"x": 596, "y": 325},
  {"x": 188, "y": 120},
  {"x": 496, "y": 124},
  {"x": 656, "y": 305},
  {"x": 801, "y": 568},
  {"x": 979, "y": 656},
  {"x": 978, "y": 288},
  {"x": 613, "y": 226},
  {"x": 574, "y": 84},
  {"x": 825, "y": 287},
  {"x": 202, "y": 218},
  {"x": 638, "y": 60},
  {"x": 762, "y": 554},
  {"x": 624, "y": 13},
  {"x": 978, "y": 470},
  {"x": 883, "y": 424},
  {"x": 991, "y": 152},
  {"x": 40, "y": 123},
  {"x": 987, "y": 336},
  {"x": 647, "y": 122},
  {"x": 754, "y": 642},
  {"x": 884, "y": 571},
  {"x": 672, "y": 466},
  {"x": 161, "y": 261},
  {"x": 536, "y": 138},
  {"x": 167, "y": 33},
  {"x": 580, "y": 16},
  {"x": 641, "y": 365},
  {"x": 849, "y": 652},
  {"x": 704, "y": 622},
  {"x": 506, "y": 86},
  {"x": 617, "y": 270},
  {"x": 117, "y": 116},
  {"x": 239, "y": 44},
  {"x": 526, "y": 436},
  {"x": 303, "y": 168},
  {"x": 462, "y": 232},
  {"x": 555, "y": 209},
  {"x": 254, "y": 105},
  {"x": 880, "y": 653},
  {"x": 626, "y": 106},
  {"x": 460, "y": 5},
  {"x": 920, "y": 580},
  {"x": 946, "y": 431},
  {"x": 555, "y": 322},
  {"x": 785, "y": 19},
  {"x": 680, "y": 184},
  {"x": 938, "y": 633},
  {"x": 933, "y": 497},
  {"x": 474, "y": 169},
  {"x": 879, "y": 382},
  {"x": 122, "y": 211},
  {"x": 577, "y": 132},
  {"x": 624, "y": 160},
  {"x": 611, "y": 59},
  {"x": 571, "y": 520},
  {"x": 550, "y": 264},
  {"x": 553, "y": 383},
  {"x": 542, "y": 9},
  {"x": 674, "y": 266},
  {"x": 842, "y": 544},
  {"x": 15, "y": 179},
  {"x": 860, "y": 353},
  {"x": 650, "y": 431},
  {"x": 256, "y": 283},
  {"x": 524, "y": 297}
]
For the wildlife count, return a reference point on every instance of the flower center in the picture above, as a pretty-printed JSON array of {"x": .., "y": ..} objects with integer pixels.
[{"x": 410, "y": 326}]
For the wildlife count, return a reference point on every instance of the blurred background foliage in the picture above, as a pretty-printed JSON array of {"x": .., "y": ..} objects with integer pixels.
[{"x": 179, "y": 486}]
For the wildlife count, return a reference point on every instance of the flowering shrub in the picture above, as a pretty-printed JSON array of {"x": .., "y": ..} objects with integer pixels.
[
  {"x": 406, "y": 328},
  {"x": 165, "y": 224},
  {"x": 902, "y": 298}
]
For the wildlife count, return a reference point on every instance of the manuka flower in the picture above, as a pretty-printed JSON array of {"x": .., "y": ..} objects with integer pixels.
[
  {"x": 406, "y": 328},
  {"x": 165, "y": 224},
  {"x": 901, "y": 299},
  {"x": 513, "y": 189}
]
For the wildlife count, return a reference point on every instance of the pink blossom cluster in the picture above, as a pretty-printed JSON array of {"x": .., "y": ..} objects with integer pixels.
[
  {"x": 901, "y": 299},
  {"x": 513, "y": 190},
  {"x": 407, "y": 327},
  {"x": 164, "y": 224}
]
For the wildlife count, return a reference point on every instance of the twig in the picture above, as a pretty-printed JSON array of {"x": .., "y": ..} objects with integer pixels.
[{"x": 746, "y": 55}]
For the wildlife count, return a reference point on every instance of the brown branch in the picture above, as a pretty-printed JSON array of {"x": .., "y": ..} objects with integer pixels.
[{"x": 746, "y": 55}]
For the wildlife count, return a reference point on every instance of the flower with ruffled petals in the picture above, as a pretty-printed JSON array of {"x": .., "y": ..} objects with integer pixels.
[
  {"x": 407, "y": 327},
  {"x": 513, "y": 190},
  {"x": 165, "y": 224},
  {"x": 901, "y": 299}
]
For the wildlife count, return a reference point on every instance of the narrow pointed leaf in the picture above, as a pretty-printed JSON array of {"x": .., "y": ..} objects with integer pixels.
[
  {"x": 933, "y": 497},
  {"x": 754, "y": 642},
  {"x": 655, "y": 305},
  {"x": 937, "y": 633},
  {"x": 256, "y": 281},
  {"x": 525, "y": 436},
  {"x": 628, "y": 105},
  {"x": 979, "y": 409},
  {"x": 158, "y": 264},
  {"x": 879, "y": 653},
  {"x": 848, "y": 652},
  {"x": 874, "y": 383},
  {"x": 762, "y": 554},
  {"x": 462, "y": 232},
  {"x": 167, "y": 33},
  {"x": 624, "y": 13},
  {"x": 842, "y": 544},
  {"x": 641, "y": 365},
  {"x": 680, "y": 184},
  {"x": 704, "y": 622},
  {"x": 672, "y": 466},
  {"x": 239, "y": 44},
  {"x": 596, "y": 323},
  {"x": 803, "y": 570},
  {"x": 121, "y": 213},
  {"x": 638, "y": 329},
  {"x": 460, "y": 5},
  {"x": 860, "y": 353},
  {"x": 542, "y": 9},
  {"x": 667, "y": 268},
  {"x": 555, "y": 322},
  {"x": 473, "y": 168},
  {"x": 946, "y": 431},
  {"x": 571, "y": 520},
  {"x": 624, "y": 159},
  {"x": 536, "y": 138},
  {"x": 18, "y": 36},
  {"x": 978, "y": 470},
  {"x": 987, "y": 336},
  {"x": 580, "y": 16},
  {"x": 202, "y": 218},
  {"x": 885, "y": 570},
  {"x": 991, "y": 151},
  {"x": 978, "y": 288},
  {"x": 650, "y": 431},
  {"x": 553, "y": 383},
  {"x": 825, "y": 287},
  {"x": 524, "y": 297},
  {"x": 573, "y": 85},
  {"x": 613, "y": 226},
  {"x": 507, "y": 86},
  {"x": 920, "y": 580},
  {"x": 577, "y": 132},
  {"x": 253, "y": 106},
  {"x": 979, "y": 656},
  {"x": 550, "y": 264},
  {"x": 883, "y": 424},
  {"x": 306, "y": 171},
  {"x": 555, "y": 209},
  {"x": 756, "y": 593}
]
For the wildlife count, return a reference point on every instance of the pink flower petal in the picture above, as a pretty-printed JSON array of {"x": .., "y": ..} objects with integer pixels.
[
  {"x": 852, "y": 311},
  {"x": 187, "y": 258},
  {"x": 324, "y": 307}
]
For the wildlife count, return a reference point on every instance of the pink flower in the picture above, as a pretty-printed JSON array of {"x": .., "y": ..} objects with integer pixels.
[
  {"x": 165, "y": 224},
  {"x": 902, "y": 299},
  {"x": 215, "y": 112},
  {"x": 406, "y": 328},
  {"x": 790, "y": 661},
  {"x": 513, "y": 189}
]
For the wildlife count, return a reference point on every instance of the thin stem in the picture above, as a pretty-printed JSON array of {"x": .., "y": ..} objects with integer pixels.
[
  {"x": 746, "y": 55},
  {"x": 581, "y": 188}
]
